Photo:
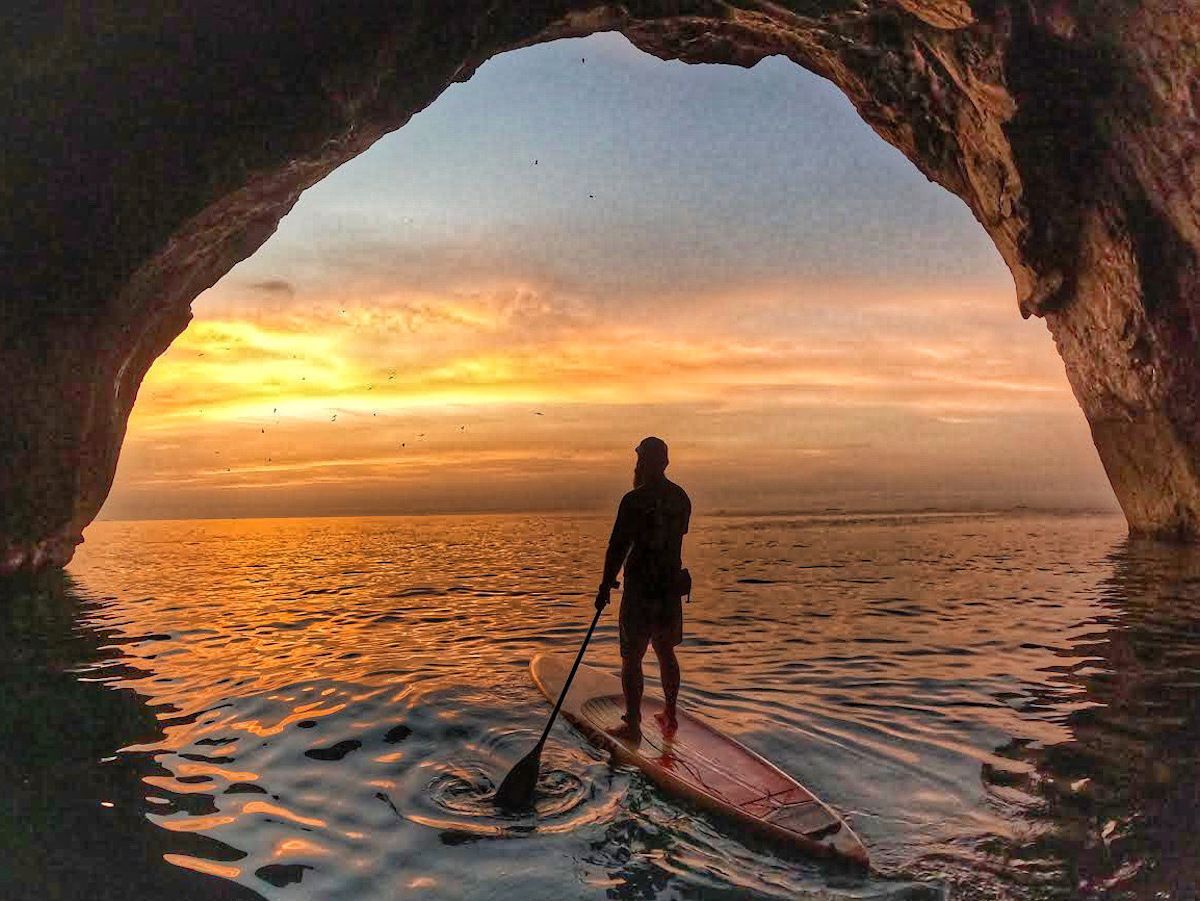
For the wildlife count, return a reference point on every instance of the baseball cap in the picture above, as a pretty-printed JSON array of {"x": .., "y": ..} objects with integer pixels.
[{"x": 653, "y": 448}]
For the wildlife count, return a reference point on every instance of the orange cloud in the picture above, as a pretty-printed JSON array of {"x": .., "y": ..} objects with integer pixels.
[{"x": 333, "y": 394}]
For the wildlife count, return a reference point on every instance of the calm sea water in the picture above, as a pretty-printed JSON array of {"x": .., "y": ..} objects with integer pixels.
[{"x": 1003, "y": 707}]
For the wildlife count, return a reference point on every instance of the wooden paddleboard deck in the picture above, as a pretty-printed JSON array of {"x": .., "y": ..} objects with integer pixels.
[{"x": 699, "y": 763}]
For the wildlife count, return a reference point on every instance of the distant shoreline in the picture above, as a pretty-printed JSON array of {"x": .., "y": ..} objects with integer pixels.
[{"x": 816, "y": 515}]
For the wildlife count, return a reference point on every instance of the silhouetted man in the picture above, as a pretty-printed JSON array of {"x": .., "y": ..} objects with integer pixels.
[{"x": 648, "y": 539}]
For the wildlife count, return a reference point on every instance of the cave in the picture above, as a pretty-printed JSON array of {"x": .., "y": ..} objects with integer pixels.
[{"x": 151, "y": 148}]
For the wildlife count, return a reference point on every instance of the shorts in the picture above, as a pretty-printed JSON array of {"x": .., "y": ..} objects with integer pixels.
[{"x": 643, "y": 620}]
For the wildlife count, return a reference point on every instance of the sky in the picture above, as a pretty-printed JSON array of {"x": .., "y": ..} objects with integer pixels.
[{"x": 584, "y": 245}]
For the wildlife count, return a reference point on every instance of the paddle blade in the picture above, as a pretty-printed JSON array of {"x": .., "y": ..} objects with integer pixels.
[{"x": 517, "y": 789}]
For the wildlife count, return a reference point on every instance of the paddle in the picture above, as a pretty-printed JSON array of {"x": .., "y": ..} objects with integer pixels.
[{"x": 516, "y": 791}]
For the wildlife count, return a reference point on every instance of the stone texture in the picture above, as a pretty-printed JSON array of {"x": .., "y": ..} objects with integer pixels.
[{"x": 149, "y": 147}]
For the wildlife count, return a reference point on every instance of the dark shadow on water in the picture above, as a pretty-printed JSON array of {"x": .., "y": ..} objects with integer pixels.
[
  {"x": 1120, "y": 802},
  {"x": 59, "y": 766}
]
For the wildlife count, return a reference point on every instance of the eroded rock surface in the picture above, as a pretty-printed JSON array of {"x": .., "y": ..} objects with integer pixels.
[{"x": 150, "y": 147}]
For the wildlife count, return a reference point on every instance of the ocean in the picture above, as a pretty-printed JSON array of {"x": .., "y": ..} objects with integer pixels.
[{"x": 1002, "y": 706}]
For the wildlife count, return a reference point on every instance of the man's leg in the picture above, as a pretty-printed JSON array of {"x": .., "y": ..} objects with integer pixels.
[
  {"x": 635, "y": 638},
  {"x": 632, "y": 684},
  {"x": 668, "y": 665}
]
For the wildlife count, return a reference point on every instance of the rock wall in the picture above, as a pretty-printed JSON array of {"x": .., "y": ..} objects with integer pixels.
[{"x": 149, "y": 147}]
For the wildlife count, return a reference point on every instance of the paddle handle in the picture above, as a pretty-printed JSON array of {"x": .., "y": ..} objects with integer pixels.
[{"x": 567, "y": 685}]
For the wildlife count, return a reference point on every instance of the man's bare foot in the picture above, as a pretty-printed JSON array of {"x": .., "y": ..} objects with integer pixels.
[
  {"x": 629, "y": 730},
  {"x": 668, "y": 721}
]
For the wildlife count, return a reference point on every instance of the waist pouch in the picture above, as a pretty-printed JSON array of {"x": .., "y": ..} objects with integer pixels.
[{"x": 682, "y": 585}]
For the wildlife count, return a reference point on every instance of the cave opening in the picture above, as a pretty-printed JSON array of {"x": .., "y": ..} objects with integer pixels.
[
  {"x": 583, "y": 243},
  {"x": 664, "y": 254},
  {"x": 187, "y": 141}
]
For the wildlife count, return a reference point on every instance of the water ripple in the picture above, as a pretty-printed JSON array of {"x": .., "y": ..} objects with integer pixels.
[{"x": 1003, "y": 707}]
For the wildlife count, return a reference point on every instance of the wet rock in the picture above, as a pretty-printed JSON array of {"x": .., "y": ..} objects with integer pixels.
[{"x": 148, "y": 152}]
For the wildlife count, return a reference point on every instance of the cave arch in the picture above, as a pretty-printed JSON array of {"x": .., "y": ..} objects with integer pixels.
[{"x": 157, "y": 148}]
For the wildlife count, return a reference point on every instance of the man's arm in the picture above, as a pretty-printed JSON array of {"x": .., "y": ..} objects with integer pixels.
[{"x": 614, "y": 558}]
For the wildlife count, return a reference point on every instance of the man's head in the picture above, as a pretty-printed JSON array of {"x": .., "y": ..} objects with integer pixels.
[{"x": 651, "y": 460}]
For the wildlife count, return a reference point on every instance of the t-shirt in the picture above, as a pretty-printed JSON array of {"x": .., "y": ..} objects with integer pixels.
[{"x": 651, "y": 523}]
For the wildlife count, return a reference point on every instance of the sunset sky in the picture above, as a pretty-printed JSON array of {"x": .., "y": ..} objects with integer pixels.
[{"x": 583, "y": 245}]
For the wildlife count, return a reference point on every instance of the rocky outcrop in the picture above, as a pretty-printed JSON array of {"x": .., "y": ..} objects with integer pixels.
[{"x": 149, "y": 147}]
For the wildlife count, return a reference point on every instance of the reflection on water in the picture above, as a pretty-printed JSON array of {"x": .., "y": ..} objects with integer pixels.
[
  {"x": 73, "y": 815},
  {"x": 1120, "y": 800},
  {"x": 1002, "y": 708}
]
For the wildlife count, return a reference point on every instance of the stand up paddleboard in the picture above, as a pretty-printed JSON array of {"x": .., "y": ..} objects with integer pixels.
[{"x": 700, "y": 764}]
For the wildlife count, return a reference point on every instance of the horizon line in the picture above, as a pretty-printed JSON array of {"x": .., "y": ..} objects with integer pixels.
[{"x": 831, "y": 512}]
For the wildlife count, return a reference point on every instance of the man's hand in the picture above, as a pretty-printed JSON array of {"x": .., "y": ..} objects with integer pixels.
[{"x": 603, "y": 594}]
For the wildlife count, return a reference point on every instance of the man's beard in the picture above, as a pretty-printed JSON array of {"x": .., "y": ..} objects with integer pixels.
[{"x": 643, "y": 475}]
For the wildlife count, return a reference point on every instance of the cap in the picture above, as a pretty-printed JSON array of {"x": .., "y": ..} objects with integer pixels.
[{"x": 653, "y": 449}]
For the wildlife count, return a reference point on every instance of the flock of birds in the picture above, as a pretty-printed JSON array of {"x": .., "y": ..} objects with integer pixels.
[
  {"x": 333, "y": 418},
  {"x": 392, "y": 374}
]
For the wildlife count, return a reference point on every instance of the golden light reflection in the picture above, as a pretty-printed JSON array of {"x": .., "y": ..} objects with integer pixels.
[
  {"x": 208, "y": 769},
  {"x": 200, "y": 865},
  {"x": 197, "y": 824},
  {"x": 308, "y": 712},
  {"x": 276, "y": 811},
  {"x": 177, "y": 787},
  {"x": 298, "y": 846}
]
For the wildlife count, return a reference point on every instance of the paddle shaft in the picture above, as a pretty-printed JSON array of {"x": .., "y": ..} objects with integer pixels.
[{"x": 567, "y": 685}]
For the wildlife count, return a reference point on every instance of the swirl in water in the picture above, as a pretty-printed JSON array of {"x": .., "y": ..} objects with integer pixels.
[{"x": 572, "y": 790}]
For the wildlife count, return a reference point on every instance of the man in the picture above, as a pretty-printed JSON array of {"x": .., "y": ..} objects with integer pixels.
[{"x": 647, "y": 539}]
